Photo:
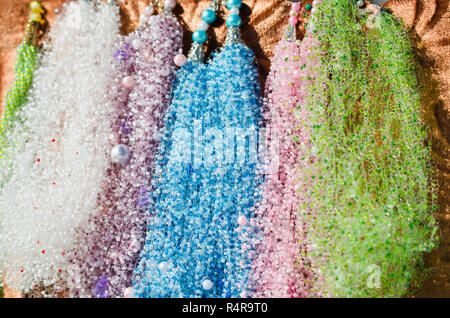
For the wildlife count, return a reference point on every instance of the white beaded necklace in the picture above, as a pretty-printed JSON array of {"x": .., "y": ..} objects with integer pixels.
[{"x": 63, "y": 151}]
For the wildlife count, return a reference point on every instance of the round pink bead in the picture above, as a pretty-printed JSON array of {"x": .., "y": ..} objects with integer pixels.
[
  {"x": 128, "y": 82},
  {"x": 242, "y": 220},
  {"x": 180, "y": 60},
  {"x": 170, "y": 4},
  {"x": 293, "y": 13},
  {"x": 128, "y": 292},
  {"x": 293, "y": 20},
  {"x": 113, "y": 139},
  {"x": 296, "y": 6}
]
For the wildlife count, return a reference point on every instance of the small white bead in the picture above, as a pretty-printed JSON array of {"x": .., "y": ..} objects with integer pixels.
[
  {"x": 203, "y": 26},
  {"x": 170, "y": 4},
  {"x": 234, "y": 11},
  {"x": 163, "y": 266},
  {"x": 207, "y": 284},
  {"x": 143, "y": 19},
  {"x": 152, "y": 19},
  {"x": 128, "y": 292},
  {"x": 149, "y": 10},
  {"x": 120, "y": 154},
  {"x": 137, "y": 44}
]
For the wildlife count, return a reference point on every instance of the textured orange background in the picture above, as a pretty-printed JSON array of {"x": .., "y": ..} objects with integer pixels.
[{"x": 263, "y": 24}]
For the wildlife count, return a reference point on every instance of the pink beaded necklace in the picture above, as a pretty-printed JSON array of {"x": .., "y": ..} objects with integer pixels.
[{"x": 282, "y": 267}]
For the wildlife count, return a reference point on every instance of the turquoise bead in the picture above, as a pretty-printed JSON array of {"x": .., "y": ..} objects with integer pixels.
[
  {"x": 233, "y": 21},
  {"x": 308, "y": 7},
  {"x": 234, "y": 4},
  {"x": 199, "y": 36},
  {"x": 209, "y": 16}
]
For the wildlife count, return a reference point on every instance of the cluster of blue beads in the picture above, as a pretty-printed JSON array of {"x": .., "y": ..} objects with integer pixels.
[
  {"x": 233, "y": 89},
  {"x": 169, "y": 233}
]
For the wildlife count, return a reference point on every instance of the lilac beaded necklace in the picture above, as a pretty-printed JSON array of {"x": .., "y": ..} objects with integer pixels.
[{"x": 109, "y": 243}]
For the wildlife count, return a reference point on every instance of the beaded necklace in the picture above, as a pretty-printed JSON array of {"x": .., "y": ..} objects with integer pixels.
[
  {"x": 107, "y": 248},
  {"x": 16, "y": 97},
  {"x": 373, "y": 190},
  {"x": 167, "y": 268},
  {"x": 62, "y": 150},
  {"x": 24, "y": 66},
  {"x": 231, "y": 158},
  {"x": 198, "y": 240},
  {"x": 282, "y": 267}
]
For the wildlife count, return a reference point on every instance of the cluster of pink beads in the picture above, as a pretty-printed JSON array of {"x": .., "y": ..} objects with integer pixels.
[
  {"x": 293, "y": 14},
  {"x": 282, "y": 267}
]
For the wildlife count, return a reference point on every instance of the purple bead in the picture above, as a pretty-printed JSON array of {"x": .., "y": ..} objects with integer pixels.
[
  {"x": 101, "y": 287},
  {"x": 124, "y": 53},
  {"x": 124, "y": 128},
  {"x": 144, "y": 198}
]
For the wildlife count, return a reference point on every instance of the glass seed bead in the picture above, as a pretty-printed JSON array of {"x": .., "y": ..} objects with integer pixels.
[
  {"x": 296, "y": 6},
  {"x": 137, "y": 44},
  {"x": 242, "y": 220},
  {"x": 35, "y": 16},
  {"x": 143, "y": 18},
  {"x": 35, "y": 7},
  {"x": 113, "y": 139},
  {"x": 293, "y": 20},
  {"x": 128, "y": 292},
  {"x": 149, "y": 10},
  {"x": 153, "y": 19},
  {"x": 163, "y": 266}
]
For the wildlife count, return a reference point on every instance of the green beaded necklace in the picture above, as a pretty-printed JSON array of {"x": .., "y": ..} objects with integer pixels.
[
  {"x": 24, "y": 67},
  {"x": 373, "y": 191}
]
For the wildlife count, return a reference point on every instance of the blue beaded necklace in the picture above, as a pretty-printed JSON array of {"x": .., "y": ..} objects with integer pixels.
[
  {"x": 234, "y": 92},
  {"x": 198, "y": 241}
]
